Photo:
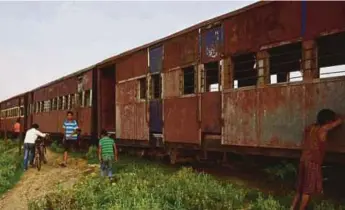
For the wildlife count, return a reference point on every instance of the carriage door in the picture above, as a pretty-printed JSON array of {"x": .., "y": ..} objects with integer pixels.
[{"x": 107, "y": 99}]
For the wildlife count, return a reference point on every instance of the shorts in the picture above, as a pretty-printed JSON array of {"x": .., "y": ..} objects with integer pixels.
[
  {"x": 309, "y": 178},
  {"x": 70, "y": 144}
]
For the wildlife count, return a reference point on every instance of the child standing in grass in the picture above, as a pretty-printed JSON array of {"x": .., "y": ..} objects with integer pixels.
[{"x": 107, "y": 153}]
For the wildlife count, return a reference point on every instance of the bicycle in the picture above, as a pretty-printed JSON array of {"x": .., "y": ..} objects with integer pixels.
[{"x": 40, "y": 151}]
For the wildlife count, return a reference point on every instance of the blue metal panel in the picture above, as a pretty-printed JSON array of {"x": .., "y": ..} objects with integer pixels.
[
  {"x": 156, "y": 59},
  {"x": 212, "y": 43},
  {"x": 156, "y": 119}
]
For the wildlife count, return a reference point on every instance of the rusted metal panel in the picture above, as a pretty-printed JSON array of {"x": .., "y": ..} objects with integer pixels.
[
  {"x": 43, "y": 118},
  {"x": 323, "y": 17},
  {"x": 87, "y": 80},
  {"x": 133, "y": 65},
  {"x": 131, "y": 118},
  {"x": 84, "y": 121},
  {"x": 330, "y": 94},
  {"x": 68, "y": 86},
  {"x": 271, "y": 23},
  {"x": 131, "y": 122},
  {"x": 212, "y": 43},
  {"x": 240, "y": 108},
  {"x": 281, "y": 116},
  {"x": 126, "y": 92},
  {"x": 172, "y": 83},
  {"x": 181, "y": 50},
  {"x": 275, "y": 116},
  {"x": 156, "y": 59},
  {"x": 211, "y": 112},
  {"x": 181, "y": 120},
  {"x": 156, "y": 116}
]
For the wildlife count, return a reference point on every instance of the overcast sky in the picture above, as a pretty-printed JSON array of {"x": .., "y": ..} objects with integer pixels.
[{"x": 42, "y": 41}]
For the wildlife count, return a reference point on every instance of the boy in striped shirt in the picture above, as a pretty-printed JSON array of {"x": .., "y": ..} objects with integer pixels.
[
  {"x": 70, "y": 139},
  {"x": 106, "y": 154}
]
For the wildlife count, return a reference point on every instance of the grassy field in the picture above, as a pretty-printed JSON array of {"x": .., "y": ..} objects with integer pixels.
[
  {"x": 10, "y": 165},
  {"x": 146, "y": 185}
]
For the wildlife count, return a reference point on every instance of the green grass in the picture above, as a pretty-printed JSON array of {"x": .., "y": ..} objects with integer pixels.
[
  {"x": 145, "y": 185},
  {"x": 11, "y": 166}
]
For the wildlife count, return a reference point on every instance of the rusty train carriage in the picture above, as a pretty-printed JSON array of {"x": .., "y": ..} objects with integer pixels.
[{"x": 248, "y": 81}]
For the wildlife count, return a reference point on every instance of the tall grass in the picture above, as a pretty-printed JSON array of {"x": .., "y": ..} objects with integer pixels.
[{"x": 10, "y": 166}]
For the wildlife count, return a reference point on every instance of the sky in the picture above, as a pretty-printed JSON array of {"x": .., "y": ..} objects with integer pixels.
[{"x": 43, "y": 41}]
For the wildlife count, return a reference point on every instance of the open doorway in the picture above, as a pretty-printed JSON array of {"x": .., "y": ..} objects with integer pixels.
[{"x": 107, "y": 98}]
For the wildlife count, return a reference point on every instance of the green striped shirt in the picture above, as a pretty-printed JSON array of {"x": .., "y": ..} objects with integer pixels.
[{"x": 106, "y": 145}]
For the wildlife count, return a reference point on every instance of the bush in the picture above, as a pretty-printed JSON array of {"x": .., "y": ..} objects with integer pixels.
[
  {"x": 55, "y": 147},
  {"x": 10, "y": 164},
  {"x": 92, "y": 153}
]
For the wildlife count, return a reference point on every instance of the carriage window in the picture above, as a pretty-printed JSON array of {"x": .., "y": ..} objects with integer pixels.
[
  {"x": 285, "y": 63},
  {"x": 156, "y": 86},
  {"x": 54, "y": 104},
  {"x": 245, "y": 73},
  {"x": 87, "y": 98},
  {"x": 80, "y": 99},
  {"x": 331, "y": 55},
  {"x": 188, "y": 80},
  {"x": 64, "y": 102},
  {"x": 142, "y": 88},
  {"x": 212, "y": 76},
  {"x": 72, "y": 101},
  {"x": 46, "y": 106},
  {"x": 21, "y": 112},
  {"x": 59, "y": 103}
]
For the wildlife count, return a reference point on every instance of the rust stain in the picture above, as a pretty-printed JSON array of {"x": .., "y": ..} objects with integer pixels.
[
  {"x": 172, "y": 83},
  {"x": 270, "y": 23},
  {"x": 130, "y": 114},
  {"x": 211, "y": 112},
  {"x": 133, "y": 65},
  {"x": 332, "y": 20},
  {"x": 181, "y": 50},
  {"x": 181, "y": 120}
]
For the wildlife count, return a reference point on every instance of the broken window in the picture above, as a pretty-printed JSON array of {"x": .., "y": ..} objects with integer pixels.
[
  {"x": 80, "y": 99},
  {"x": 72, "y": 100},
  {"x": 42, "y": 106},
  {"x": 285, "y": 63},
  {"x": 64, "y": 102},
  {"x": 331, "y": 55},
  {"x": 156, "y": 86},
  {"x": 245, "y": 73},
  {"x": 54, "y": 104},
  {"x": 46, "y": 106},
  {"x": 87, "y": 98},
  {"x": 59, "y": 103},
  {"x": 142, "y": 88},
  {"x": 212, "y": 76},
  {"x": 21, "y": 111},
  {"x": 188, "y": 80}
]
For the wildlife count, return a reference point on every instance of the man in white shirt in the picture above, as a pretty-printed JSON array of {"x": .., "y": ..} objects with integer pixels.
[{"x": 29, "y": 143}]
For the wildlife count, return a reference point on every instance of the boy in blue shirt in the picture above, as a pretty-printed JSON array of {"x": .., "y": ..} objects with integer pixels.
[{"x": 71, "y": 137}]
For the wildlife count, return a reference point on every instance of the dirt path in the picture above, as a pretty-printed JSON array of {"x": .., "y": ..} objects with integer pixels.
[{"x": 34, "y": 183}]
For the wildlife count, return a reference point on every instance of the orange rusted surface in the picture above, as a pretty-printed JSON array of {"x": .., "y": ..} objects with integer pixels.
[
  {"x": 181, "y": 50},
  {"x": 133, "y": 65},
  {"x": 131, "y": 117},
  {"x": 181, "y": 120},
  {"x": 211, "y": 112},
  {"x": 270, "y": 23},
  {"x": 276, "y": 116},
  {"x": 172, "y": 83}
]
